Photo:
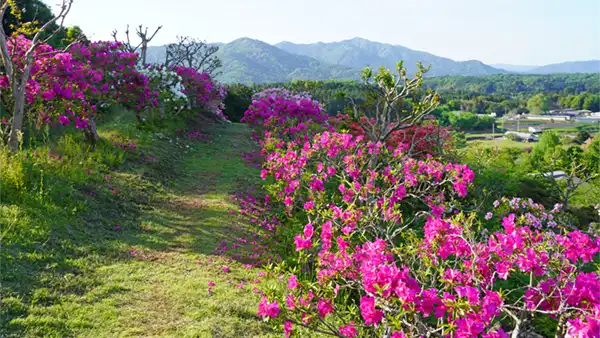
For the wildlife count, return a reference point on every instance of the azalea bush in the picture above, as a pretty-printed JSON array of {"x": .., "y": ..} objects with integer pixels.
[
  {"x": 56, "y": 89},
  {"x": 121, "y": 82},
  {"x": 382, "y": 251},
  {"x": 69, "y": 88},
  {"x": 168, "y": 84},
  {"x": 376, "y": 242},
  {"x": 202, "y": 92},
  {"x": 421, "y": 139},
  {"x": 283, "y": 114},
  {"x": 72, "y": 87}
]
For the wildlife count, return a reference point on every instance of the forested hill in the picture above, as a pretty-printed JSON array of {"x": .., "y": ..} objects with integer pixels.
[
  {"x": 359, "y": 53},
  {"x": 592, "y": 66},
  {"x": 503, "y": 84},
  {"x": 518, "y": 83},
  {"x": 250, "y": 61}
]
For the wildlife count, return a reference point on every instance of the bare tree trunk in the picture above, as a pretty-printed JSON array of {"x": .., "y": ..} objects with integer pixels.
[
  {"x": 18, "y": 113},
  {"x": 92, "y": 131},
  {"x": 143, "y": 56},
  {"x": 561, "y": 326},
  {"x": 18, "y": 116}
]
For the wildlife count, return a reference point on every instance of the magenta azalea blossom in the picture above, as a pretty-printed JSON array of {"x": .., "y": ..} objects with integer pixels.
[{"x": 267, "y": 309}]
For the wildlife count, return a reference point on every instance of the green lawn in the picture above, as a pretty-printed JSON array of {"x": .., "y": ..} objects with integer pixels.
[
  {"x": 500, "y": 143},
  {"x": 125, "y": 249}
]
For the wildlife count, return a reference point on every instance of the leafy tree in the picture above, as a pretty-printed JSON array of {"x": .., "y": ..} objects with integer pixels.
[
  {"x": 547, "y": 143},
  {"x": 577, "y": 101},
  {"x": 591, "y": 102},
  {"x": 485, "y": 122},
  {"x": 565, "y": 101},
  {"x": 385, "y": 110},
  {"x": 26, "y": 14},
  {"x": 539, "y": 104},
  {"x": 238, "y": 99},
  {"x": 460, "y": 139},
  {"x": 463, "y": 121},
  {"x": 453, "y": 105},
  {"x": 592, "y": 154},
  {"x": 579, "y": 167}
]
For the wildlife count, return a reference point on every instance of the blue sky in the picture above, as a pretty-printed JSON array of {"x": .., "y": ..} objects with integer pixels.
[{"x": 526, "y": 32}]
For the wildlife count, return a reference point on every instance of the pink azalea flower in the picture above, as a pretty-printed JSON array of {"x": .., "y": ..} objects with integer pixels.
[
  {"x": 324, "y": 308},
  {"x": 268, "y": 309},
  {"x": 292, "y": 282},
  {"x": 287, "y": 328},
  {"x": 348, "y": 331},
  {"x": 370, "y": 314}
]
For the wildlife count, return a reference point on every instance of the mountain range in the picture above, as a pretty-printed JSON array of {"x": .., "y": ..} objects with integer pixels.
[{"x": 248, "y": 61}]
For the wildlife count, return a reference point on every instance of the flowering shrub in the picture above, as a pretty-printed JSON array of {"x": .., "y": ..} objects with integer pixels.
[
  {"x": 359, "y": 255},
  {"x": 202, "y": 91},
  {"x": 168, "y": 84},
  {"x": 374, "y": 243},
  {"x": 68, "y": 87},
  {"x": 283, "y": 114},
  {"x": 57, "y": 85},
  {"x": 121, "y": 82},
  {"x": 418, "y": 140}
]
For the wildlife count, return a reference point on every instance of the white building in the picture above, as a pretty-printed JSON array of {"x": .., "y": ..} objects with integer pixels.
[
  {"x": 569, "y": 112},
  {"x": 523, "y": 136},
  {"x": 565, "y": 118}
]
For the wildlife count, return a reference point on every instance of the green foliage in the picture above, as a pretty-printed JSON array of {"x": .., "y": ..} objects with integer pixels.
[
  {"x": 579, "y": 166},
  {"x": 549, "y": 141},
  {"x": 73, "y": 33},
  {"x": 539, "y": 104},
  {"x": 465, "y": 121},
  {"x": 34, "y": 13},
  {"x": 592, "y": 103},
  {"x": 504, "y": 84},
  {"x": 28, "y": 16},
  {"x": 500, "y": 172},
  {"x": 238, "y": 99},
  {"x": 513, "y": 137},
  {"x": 459, "y": 139},
  {"x": 591, "y": 157},
  {"x": 582, "y": 136}
]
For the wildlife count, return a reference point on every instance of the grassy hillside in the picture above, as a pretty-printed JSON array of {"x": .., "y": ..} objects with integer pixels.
[{"x": 110, "y": 242}]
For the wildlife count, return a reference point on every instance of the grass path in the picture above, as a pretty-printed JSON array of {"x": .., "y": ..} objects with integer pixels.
[{"x": 138, "y": 264}]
